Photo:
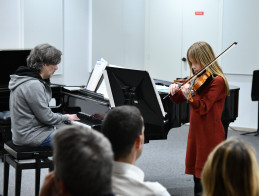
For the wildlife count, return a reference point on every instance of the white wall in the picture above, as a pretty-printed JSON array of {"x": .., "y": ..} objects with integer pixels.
[
  {"x": 240, "y": 24},
  {"x": 204, "y": 27},
  {"x": 134, "y": 33},
  {"x": 77, "y": 45},
  {"x": 118, "y": 32},
  {"x": 108, "y": 37},
  {"x": 248, "y": 109},
  {"x": 10, "y": 24},
  {"x": 39, "y": 27},
  {"x": 164, "y": 38}
]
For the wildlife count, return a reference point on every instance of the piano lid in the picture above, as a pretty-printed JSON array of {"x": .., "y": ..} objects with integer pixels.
[{"x": 10, "y": 60}]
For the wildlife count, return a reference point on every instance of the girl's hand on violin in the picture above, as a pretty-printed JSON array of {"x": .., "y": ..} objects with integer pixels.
[
  {"x": 185, "y": 90},
  {"x": 173, "y": 88}
]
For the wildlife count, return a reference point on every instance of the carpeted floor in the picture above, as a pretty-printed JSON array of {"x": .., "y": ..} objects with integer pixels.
[
  {"x": 164, "y": 161},
  {"x": 161, "y": 160}
]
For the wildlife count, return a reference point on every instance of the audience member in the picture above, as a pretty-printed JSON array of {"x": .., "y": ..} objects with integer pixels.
[
  {"x": 231, "y": 170},
  {"x": 124, "y": 127},
  {"x": 83, "y": 161},
  {"x": 32, "y": 119}
]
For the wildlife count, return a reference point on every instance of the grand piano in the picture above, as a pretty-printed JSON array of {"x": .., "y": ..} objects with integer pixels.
[
  {"x": 176, "y": 114},
  {"x": 179, "y": 114},
  {"x": 90, "y": 103}
]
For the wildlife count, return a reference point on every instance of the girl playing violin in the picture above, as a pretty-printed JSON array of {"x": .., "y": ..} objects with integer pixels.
[{"x": 206, "y": 129}]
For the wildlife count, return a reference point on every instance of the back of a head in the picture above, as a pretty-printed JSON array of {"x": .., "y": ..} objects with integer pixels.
[
  {"x": 231, "y": 170},
  {"x": 43, "y": 54},
  {"x": 122, "y": 125},
  {"x": 83, "y": 160}
]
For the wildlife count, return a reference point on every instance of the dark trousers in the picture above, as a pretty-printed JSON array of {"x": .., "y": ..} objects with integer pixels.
[{"x": 197, "y": 186}]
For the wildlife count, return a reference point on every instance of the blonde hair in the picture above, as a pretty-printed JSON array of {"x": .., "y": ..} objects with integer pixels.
[
  {"x": 202, "y": 53},
  {"x": 231, "y": 170}
]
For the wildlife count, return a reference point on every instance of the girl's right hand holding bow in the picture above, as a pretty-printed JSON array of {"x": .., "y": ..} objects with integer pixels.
[{"x": 173, "y": 88}]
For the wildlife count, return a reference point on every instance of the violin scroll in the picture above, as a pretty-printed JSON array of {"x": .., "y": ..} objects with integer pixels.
[{"x": 180, "y": 80}]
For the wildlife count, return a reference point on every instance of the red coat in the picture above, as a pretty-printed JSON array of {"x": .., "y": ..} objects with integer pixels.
[{"x": 206, "y": 129}]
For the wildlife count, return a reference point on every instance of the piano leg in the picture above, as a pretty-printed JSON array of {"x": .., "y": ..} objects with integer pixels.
[
  {"x": 226, "y": 125},
  {"x": 257, "y": 122}
]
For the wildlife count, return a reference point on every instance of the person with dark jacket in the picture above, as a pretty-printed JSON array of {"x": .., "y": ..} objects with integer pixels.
[{"x": 32, "y": 121}]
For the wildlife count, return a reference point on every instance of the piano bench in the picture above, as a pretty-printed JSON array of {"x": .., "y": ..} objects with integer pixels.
[{"x": 35, "y": 158}]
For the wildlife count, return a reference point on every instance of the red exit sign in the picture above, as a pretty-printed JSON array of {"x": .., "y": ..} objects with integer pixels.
[{"x": 199, "y": 13}]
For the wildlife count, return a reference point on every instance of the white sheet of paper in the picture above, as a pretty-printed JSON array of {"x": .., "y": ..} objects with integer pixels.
[
  {"x": 96, "y": 74},
  {"x": 102, "y": 90}
]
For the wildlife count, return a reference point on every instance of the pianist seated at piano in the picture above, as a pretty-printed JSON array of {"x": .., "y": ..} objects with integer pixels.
[
  {"x": 206, "y": 130},
  {"x": 32, "y": 121}
]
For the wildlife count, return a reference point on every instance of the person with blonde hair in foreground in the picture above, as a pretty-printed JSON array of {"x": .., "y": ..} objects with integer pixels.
[{"x": 232, "y": 170}]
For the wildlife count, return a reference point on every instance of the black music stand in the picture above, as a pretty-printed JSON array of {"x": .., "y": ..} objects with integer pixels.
[
  {"x": 135, "y": 87},
  {"x": 255, "y": 97}
]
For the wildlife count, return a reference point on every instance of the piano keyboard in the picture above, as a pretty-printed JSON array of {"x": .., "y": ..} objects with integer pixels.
[
  {"x": 96, "y": 127},
  {"x": 86, "y": 120},
  {"x": 74, "y": 122}
]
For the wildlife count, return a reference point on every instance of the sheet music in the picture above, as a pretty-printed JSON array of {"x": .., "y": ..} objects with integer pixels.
[
  {"x": 70, "y": 88},
  {"x": 161, "y": 88},
  {"x": 102, "y": 90},
  {"x": 96, "y": 74}
]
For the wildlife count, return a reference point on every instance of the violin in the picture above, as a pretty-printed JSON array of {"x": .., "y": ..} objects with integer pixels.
[
  {"x": 202, "y": 75},
  {"x": 200, "y": 80},
  {"x": 199, "y": 84}
]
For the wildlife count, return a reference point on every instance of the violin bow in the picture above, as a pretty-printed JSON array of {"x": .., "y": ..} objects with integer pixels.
[{"x": 205, "y": 67}]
